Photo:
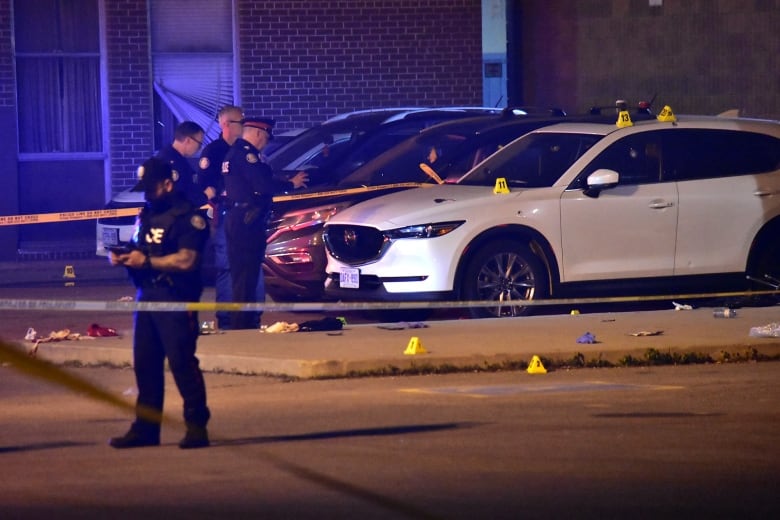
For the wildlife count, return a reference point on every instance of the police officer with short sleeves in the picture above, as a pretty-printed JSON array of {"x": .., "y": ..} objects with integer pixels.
[{"x": 164, "y": 264}]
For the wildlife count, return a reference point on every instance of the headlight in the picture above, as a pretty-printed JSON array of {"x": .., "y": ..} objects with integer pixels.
[
  {"x": 424, "y": 230},
  {"x": 309, "y": 217}
]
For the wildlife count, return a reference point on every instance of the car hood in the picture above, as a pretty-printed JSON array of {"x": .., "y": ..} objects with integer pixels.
[
  {"x": 418, "y": 205},
  {"x": 129, "y": 197}
]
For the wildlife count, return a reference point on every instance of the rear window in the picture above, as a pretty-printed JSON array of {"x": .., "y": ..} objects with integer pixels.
[{"x": 701, "y": 154}]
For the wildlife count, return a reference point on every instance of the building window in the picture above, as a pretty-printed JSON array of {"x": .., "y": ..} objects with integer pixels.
[
  {"x": 57, "y": 44},
  {"x": 193, "y": 64}
]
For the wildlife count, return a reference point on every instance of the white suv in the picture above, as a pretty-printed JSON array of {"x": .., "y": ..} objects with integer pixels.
[{"x": 577, "y": 206}]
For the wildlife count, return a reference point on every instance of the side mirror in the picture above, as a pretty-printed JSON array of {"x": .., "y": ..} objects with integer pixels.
[{"x": 601, "y": 179}]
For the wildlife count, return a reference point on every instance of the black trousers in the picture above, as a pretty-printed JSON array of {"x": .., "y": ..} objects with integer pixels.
[
  {"x": 171, "y": 335},
  {"x": 245, "y": 236}
]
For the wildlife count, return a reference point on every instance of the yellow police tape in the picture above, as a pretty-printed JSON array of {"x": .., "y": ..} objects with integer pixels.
[
  {"x": 118, "y": 306},
  {"x": 67, "y": 216}
]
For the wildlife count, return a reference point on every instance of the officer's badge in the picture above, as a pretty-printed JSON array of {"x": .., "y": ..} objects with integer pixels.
[
  {"x": 204, "y": 163},
  {"x": 198, "y": 222},
  {"x": 251, "y": 158},
  {"x": 174, "y": 175}
]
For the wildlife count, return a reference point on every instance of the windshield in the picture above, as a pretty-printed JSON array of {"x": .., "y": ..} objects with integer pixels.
[
  {"x": 536, "y": 160},
  {"x": 434, "y": 156}
]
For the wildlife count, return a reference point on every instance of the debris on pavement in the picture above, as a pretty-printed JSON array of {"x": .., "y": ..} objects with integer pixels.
[
  {"x": 280, "y": 327},
  {"x": 403, "y": 325},
  {"x": 647, "y": 333},
  {"x": 682, "y": 307},
  {"x": 60, "y": 335},
  {"x": 587, "y": 338},
  {"x": 96, "y": 331},
  {"x": 324, "y": 324},
  {"x": 770, "y": 330}
]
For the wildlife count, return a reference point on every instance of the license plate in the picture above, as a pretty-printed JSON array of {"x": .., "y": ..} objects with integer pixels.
[
  {"x": 110, "y": 236},
  {"x": 349, "y": 278}
]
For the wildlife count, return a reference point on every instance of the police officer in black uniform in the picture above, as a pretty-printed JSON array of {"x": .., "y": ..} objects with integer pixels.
[
  {"x": 187, "y": 140},
  {"x": 249, "y": 187},
  {"x": 164, "y": 264},
  {"x": 212, "y": 184}
]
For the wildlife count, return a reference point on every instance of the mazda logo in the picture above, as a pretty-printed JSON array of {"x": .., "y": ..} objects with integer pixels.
[{"x": 350, "y": 238}]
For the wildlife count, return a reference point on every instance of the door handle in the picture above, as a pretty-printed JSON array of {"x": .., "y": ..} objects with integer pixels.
[{"x": 661, "y": 204}]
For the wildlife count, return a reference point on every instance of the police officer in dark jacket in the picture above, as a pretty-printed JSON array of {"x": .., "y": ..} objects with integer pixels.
[
  {"x": 249, "y": 187},
  {"x": 212, "y": 183},
  {"x": 187, "y": 140},
  {"x": 164, "y": 264}
]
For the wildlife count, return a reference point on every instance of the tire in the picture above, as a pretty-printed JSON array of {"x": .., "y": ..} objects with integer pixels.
[{"x": 505, "y": 272}]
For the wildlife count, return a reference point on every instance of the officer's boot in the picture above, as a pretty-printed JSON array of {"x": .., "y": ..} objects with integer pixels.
[
  {"x": 197, "y": 436},
  {"x": 140, "y": 434}
]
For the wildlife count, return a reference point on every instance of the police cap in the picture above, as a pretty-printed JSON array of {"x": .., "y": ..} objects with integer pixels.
[{"x": 264, "y": 123}]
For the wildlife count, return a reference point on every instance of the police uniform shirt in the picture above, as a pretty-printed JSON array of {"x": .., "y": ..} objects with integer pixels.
[
  {"x": 210, "y": 165},
  {"x": 185, "y": 179},
  {"x": 248, "y": 180},
  {"x": 157, "y": 234}
]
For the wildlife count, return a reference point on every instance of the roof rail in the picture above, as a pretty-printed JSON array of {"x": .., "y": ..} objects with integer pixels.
[{"x": 532, "y": 111}]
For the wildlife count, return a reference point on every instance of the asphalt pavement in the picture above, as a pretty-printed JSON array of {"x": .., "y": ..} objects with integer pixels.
[{"x": 397, "y": 347}]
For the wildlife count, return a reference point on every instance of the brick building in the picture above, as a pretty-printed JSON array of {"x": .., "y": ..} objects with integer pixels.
[{"x": 90, "y": 88}]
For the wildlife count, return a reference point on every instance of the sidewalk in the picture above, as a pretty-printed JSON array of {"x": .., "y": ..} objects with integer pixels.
[{"x": 368, "y": 349}]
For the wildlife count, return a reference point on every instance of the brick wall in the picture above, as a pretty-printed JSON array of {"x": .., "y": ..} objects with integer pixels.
[
  {"x": 129, "y": 89},
  {"x": 699, "y": 56},
  {"x": 7, "y": 89},
  {"x": 303, "y": 61}
]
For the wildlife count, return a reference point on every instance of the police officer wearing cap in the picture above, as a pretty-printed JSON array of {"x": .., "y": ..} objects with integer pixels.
[
  {"x": 249, "y": 188},
  {"x": 164, "y": 264}
]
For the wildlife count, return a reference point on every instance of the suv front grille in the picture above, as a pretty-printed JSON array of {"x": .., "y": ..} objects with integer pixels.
[{"x": 354, "y": 244}]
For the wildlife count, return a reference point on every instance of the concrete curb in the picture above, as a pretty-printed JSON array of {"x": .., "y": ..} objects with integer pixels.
[{"x": 457, "y": 344}]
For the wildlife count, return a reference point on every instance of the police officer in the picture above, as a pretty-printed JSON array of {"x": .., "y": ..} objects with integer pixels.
[
  {"x": 187, "y": 140},
  {"x": 249, "y": 188},
  {"x": 212, "y": 184},
  {"x": 164, "y": 264}
]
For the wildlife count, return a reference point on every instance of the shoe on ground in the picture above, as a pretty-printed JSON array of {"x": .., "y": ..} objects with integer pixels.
[
  {"x": 134, "y": 439},
  {"x": 195, "y": 438}
]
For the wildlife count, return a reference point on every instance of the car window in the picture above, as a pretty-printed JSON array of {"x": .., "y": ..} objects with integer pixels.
[
  {"x": 402, "y": 163},
  {"x": 323, "y": 143},
  {"x": 534, "y": 161},
  {"x": 385, "y": 138},
  {"x": 637, "y": 158},
  {"x": 702, "y": 153}
]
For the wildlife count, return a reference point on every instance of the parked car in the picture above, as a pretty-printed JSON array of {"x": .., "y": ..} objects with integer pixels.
[
  {"x": 329, "y": 151},
  {"x": 318, "y": 150},
  {"x": 572, "y": 209},
  {"x": 295, "y": 257}
]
